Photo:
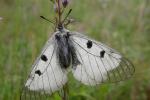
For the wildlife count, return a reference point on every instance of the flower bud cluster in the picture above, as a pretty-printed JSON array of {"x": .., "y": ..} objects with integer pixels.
[{"x": 65, "y": 3}]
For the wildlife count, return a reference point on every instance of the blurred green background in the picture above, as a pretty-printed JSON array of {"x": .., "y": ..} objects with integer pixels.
[{"x": 121, "y": 24}]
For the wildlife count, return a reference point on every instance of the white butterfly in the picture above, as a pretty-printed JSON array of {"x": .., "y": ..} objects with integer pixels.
[{"x": 91, "y": 63}]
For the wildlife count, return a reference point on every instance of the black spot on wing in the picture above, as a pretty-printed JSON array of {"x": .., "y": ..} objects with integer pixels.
[
  {"x": 89, "y": 44},
  {"x": 44, "y": 58},
  {"x": 38, "y": 72},
  {"x": 102, "y": 53}
]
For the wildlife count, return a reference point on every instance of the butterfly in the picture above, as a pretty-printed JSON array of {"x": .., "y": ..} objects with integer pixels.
[{"x": 91, "y": 63}]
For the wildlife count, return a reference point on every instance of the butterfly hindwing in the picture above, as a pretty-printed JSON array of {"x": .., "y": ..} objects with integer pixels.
[
  {"x": 98, "y": 62},
  {"x": 46, "y": 76}
]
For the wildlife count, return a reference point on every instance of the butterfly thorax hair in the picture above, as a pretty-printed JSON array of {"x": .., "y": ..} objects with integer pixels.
[{"x": 66, "y": 53}]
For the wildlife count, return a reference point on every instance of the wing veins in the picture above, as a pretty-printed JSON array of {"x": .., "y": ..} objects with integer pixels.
[
  {"x": 101, "y": 61},
  {"x": 99, "y": 70},
  {"x": 85, "y": 37},
  {"x": 36, "y": 66},
  {"x": 84, "y": 68},
  {"x": 91, "y": 68},
  {"x": 117, "y": 68},
  {"x": 95, "y": 56},
  {"x": 111, "y": 68},
  {"x": 127, "y": 63}
]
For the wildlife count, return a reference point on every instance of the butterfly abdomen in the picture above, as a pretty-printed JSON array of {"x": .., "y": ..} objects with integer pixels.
[{"x": 64, "y": 57}]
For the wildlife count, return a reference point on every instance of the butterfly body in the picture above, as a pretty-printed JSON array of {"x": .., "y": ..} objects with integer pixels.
[{"x": 66, "y": 54}]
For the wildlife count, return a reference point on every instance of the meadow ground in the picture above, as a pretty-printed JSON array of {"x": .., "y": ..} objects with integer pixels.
[{"x": 122, "y": 24}]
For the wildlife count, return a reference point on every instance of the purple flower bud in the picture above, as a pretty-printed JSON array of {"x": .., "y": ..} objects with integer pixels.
[{"x": 65, "y": 3}]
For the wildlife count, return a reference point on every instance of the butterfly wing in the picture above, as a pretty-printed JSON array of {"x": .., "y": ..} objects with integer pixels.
[
  {"x": 98, "y": 62},
  {"x": 46, "y": 76}
]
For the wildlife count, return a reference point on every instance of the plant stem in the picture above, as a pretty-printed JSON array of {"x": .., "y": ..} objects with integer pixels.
[
  {"x": 59, "y": 12},
  {"x": 65, "y": 92}
]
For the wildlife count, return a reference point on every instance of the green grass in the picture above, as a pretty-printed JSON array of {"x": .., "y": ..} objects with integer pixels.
[{"x": 122, "y": 24}]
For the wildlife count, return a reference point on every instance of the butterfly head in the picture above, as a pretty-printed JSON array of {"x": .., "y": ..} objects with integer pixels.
[{"x": 62, "y": 35}]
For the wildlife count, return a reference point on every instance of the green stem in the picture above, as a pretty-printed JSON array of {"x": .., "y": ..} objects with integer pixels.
[{"x": 65, "y": 92}]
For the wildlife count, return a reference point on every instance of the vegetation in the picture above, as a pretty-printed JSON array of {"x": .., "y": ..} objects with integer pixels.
[{"x": 122, "y": 24}]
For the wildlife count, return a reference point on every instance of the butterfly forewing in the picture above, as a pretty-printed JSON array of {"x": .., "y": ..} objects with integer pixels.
[
  {"x": 98, "y": 62},
  {"x": 46, "y": 76}
]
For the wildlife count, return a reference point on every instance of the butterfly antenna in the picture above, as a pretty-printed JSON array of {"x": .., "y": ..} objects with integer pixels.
[
  {"x": 67, "y": 15},
  {"x": 47, "y": 20}
]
